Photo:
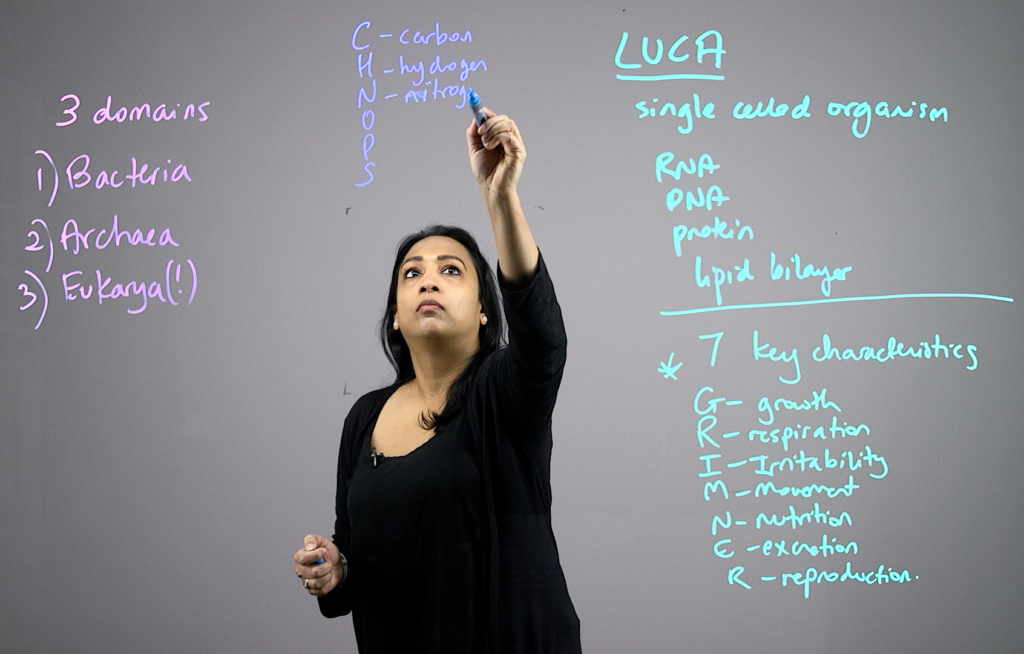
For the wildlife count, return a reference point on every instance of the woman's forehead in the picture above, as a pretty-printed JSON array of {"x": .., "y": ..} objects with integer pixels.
[{"x": 433, "y": 247}]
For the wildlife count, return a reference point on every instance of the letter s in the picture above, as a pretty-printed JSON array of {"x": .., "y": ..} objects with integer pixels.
[
  {"x": 366, "y": 169},
  {"x": 971, "y": 349}
]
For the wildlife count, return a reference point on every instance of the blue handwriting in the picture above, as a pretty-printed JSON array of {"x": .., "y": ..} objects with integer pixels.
[{"x": 862, "y": 112}]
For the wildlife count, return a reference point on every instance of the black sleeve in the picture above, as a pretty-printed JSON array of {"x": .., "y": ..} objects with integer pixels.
[
  {"x": 339, "y": 601},
  {"x": 530, "y": 368}
]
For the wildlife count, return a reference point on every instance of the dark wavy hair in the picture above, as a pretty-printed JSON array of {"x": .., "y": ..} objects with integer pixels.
[{"x": 491, "y": 334}]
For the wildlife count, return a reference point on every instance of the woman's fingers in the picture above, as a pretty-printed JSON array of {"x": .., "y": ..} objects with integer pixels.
[
  {"x": 315, "y": 564},
  {"x": 496, "y": 153},
  {"x": 309, "y": 556},
  {"x": 499, "y": 130},
  {"x": 314, "y": 577},
  {"x": 315, "y": 585},
  {"x": 313, "y": 569},
  {"x": 500, "y": 136},
  {"x": 495, "y": 130},
  {"x": 308, "y": 561}
]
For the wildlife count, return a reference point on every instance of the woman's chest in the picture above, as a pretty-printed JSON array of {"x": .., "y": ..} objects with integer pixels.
[
  {"x": 399, "y": 427},
  {"x": 434, "y": 489}
]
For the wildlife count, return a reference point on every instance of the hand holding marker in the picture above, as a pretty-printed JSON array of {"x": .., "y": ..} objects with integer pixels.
[{"x": 476, "y": 106}]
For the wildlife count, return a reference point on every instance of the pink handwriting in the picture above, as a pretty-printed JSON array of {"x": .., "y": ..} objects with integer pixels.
[
  {"x": 157, "y": 114},
  {"x": 79, "y": 175},
  {"x": 113, "y": 235},
  {"x": 172, "y": 286}
]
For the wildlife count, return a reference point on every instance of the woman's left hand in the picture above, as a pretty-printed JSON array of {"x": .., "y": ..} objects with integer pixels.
[{"x": 496, "y": 153}]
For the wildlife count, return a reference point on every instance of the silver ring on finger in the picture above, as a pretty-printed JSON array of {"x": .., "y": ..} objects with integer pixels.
[{"x": 305, "y": 583}]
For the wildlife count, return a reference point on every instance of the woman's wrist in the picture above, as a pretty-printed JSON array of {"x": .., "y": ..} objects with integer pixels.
[
  {"x": 343, "y": 564},
  {"x": 498, "y": 199}
]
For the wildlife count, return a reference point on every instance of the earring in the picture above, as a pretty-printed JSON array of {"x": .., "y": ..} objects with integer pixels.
[
  {"x": 483, "y": 319},
  {"x": 395, "y": 324}
]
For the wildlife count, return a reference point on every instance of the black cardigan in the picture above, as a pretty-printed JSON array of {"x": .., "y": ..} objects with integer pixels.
[{"x": 509, "y": 410}]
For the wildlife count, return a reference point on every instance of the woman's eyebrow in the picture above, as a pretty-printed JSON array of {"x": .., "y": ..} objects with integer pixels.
[{"x": 440, "y": 257}]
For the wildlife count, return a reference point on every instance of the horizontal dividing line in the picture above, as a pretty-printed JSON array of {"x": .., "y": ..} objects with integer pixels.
[
  {"x": 832, "y": 300},
  {"x": 658, "y": 78}
]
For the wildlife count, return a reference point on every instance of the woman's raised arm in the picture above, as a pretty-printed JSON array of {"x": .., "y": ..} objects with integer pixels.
[{"x": 496, "y": 155}]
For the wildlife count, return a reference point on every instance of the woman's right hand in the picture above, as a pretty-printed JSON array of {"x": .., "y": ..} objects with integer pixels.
[
  {"x": 496, "y": 154},
  {"x": 319, "y": 578}
]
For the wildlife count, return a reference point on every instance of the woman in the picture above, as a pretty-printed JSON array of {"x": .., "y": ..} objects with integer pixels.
[{"x": 443, "y": 539}]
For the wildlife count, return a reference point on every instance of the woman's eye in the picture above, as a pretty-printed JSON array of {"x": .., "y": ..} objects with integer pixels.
[
  {"x": 410, "y": 273},
  {"x": 451, "y": 270}
]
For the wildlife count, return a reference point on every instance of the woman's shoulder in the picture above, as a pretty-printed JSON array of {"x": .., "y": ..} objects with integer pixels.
[{"x": 367, "y": 405}]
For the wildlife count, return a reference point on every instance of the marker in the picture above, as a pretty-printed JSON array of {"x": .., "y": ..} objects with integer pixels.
[{"x": 476, "y": 106}]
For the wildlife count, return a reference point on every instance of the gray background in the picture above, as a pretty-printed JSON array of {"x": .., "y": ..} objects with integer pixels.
[{"x": 157, "y": 471}]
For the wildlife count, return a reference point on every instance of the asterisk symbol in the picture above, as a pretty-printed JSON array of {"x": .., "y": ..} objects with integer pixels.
[{"x": 668, "y": 370}]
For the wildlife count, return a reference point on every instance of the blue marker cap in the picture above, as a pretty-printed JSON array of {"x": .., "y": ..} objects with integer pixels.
[{"x": 476, "y": 106}]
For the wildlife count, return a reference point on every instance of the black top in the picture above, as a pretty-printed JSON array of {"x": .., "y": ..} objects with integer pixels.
[
  {"x": 416, "y": 539},
  {"x": 508, "y": 415}
]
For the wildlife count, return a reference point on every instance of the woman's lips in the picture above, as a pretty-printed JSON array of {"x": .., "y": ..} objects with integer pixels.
[{"x": 429, "y": 305}]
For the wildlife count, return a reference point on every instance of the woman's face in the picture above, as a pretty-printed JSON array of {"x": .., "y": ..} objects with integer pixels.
[{"x": 438, "y": 293}]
